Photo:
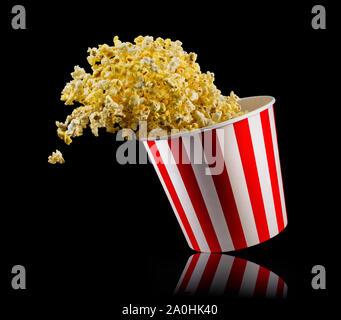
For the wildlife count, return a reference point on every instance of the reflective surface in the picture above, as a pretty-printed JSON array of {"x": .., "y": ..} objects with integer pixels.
[{"x": 220, "y": 274}]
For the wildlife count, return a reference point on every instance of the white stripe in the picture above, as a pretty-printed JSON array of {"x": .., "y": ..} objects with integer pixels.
[
  {"x": 183, "y": 273},
  {"x": 152, "y": 160},
  {"x": 197, "y": 273},
  {"x": 183, "y": 196},
  {"x": 209, "y": 193},
  {"x": 272, "y": 285},
  {"x": 221, "y": 276},
  {"x": 248, "y": 284},
  {"x": 235, "y": 171},
  {"x": 258, "y": 144},
  {"x": 278, "y": 164}
]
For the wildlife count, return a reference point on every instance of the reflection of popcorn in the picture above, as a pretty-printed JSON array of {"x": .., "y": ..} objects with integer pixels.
[
  {"x": 56, "y": 157},
  {"x": 152, "y": 80}
]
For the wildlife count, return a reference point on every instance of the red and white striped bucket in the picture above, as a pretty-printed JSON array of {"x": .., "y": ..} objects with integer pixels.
[
  {"x": 241, "y": 206},
  {"x": 220, "y": 274}
]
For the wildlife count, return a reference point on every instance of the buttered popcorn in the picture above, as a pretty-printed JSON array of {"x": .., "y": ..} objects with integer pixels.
[
  {"x": 56, "y": 157},
  {"x": 152, "y": 80}
]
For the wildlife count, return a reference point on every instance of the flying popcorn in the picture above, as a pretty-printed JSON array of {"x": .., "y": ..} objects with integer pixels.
[
  {"x": 56, "y": 157},
  {"x": 152, "y": 80}
]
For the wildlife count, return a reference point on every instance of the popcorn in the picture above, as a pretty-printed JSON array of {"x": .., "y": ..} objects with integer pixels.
[
  {"x": 174, "y": 64},
  {"x": 216, "y": 116},
  {"x": 152, "y": 80},
  {"x": 56, "y": 157}
]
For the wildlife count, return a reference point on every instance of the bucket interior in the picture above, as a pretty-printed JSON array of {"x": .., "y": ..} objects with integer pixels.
[{"x": 253, "y": 103}]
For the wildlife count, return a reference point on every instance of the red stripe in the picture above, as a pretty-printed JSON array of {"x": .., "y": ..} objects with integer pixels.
[
  {"x": 236, "y": 275},
  {"x": 270, "y": 154},
  {"x": 208, "y": 274},
  {"x": 225, "y": 194},
  {"x": 247, "y": 156},
  {"x": 174, "y": 196},
  {"x": 194, "y": 193},
  {"x": 188, "y": 273},
  {"x": 280, "y": 168},
  {"x": 280, "y": 288},
  {"x": 262, "y": 282}
]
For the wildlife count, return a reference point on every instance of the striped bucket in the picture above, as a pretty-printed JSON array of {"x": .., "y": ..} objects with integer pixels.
[
  {"x": 224, "y": 181},
  {"x": 220, "y": 274}
]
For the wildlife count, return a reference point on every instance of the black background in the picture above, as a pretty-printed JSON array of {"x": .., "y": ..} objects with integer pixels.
[{"x": 95, "y": 235}]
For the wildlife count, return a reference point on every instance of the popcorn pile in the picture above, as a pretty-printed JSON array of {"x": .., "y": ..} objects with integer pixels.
[{"x": 152, "y": 80}]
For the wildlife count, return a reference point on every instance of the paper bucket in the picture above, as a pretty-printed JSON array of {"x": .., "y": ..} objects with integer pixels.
[{"x": 235, "y": 202}]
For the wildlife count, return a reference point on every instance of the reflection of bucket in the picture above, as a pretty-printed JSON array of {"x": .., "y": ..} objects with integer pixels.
[
  {"x": 219, "y": 274},
  {"x": 241, "y": 206}
]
